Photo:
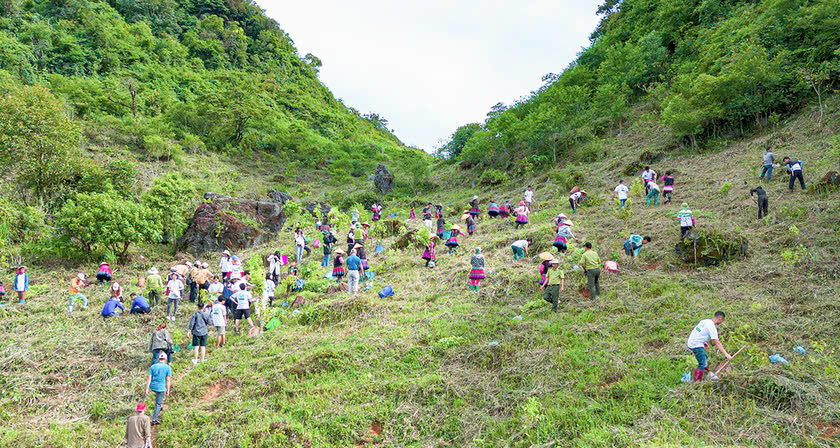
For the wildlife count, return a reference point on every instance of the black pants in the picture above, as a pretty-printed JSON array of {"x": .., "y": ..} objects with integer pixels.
[
  {"x": 193, "y": 291},
  {"x": 667, "y": 195},
  {"x": 796, "y": 175},
  {"x": 572, "y": 203},
  {"x": 762, "y": 207},
  {"x": 683, "y": 231},
  {"x": 145, "y": 310}
]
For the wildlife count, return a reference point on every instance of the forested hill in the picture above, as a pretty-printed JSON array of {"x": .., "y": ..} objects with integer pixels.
[
  {"x": 707, "y": 70},
  {"x": 164, "y": 78}
]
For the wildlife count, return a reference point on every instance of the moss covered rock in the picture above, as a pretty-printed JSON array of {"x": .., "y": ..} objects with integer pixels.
[{"x": 708, "y": 247}]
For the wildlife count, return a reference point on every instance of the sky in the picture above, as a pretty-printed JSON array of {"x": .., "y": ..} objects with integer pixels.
[{"x": 431, "y": 66}]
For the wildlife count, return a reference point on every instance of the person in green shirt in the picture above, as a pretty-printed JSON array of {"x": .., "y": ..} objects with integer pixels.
[
  {"x": 554, "y": 284},
  {"x": 592, "y": 269},
  {"x": 154, "y": 284}
]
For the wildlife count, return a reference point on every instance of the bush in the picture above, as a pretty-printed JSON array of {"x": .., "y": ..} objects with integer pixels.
[
  {"x": 568, "y": 177},
  {"x": 169, "y": 199},
  {"x": 493, "y": 176}
]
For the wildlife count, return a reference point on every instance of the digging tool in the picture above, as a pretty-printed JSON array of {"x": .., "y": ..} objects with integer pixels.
[{"x": 723, "y": 366}]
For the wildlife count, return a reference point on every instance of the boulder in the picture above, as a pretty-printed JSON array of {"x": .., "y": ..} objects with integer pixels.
[
  {"x": 322, "y": 207},
  {"x": 222, "y": 222},
  {"x": 830, "y": 182},
  {"x": 383, "y": 180},
  {"x": 279, "y": 196},
  {"x": 707, "y": 247}
]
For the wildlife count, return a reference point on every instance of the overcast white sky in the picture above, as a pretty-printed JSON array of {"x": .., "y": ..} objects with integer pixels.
[{"x": 431, "y": 66}]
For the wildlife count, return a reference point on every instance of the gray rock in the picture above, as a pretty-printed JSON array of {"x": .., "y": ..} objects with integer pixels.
[
  {"x": 383, "y": 180},
  {"x": 322, "y": 208},
  {"x": 279, "y": 196}
]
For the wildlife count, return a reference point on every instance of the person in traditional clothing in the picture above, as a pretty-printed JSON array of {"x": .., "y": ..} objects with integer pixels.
[
  {"x": 686, "y": 219},
  {"x": 429, "y": 253},
  {"x": 564, "y": 232},
  {"x": 411, "y": 213},
  {"x": 351, "y": 238},
  {"x": 474, "y": 211},
  {"x": 521, "y": 215},
  {"x": 470, "y": 225},
  {"x": 493, "y": 209},
  {"x": 360, "y": 252},
  {"x": 504, "y": 210},
  {"x": 338, "y": 265},
  {"x": 452, "y": 243},
  {"x": 477, "y": 271},
  {"x": 441, "y": 226}
]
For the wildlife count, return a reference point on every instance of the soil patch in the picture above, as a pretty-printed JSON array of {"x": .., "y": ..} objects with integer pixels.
[
  {"x": 652, "y": 265},
  {"x": 217, "y": 390},
  {"x": 829, "y": 430},
  {"x": 584, "y": 292}
]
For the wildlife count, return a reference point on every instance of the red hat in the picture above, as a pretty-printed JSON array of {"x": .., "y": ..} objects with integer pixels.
[{"x": 141, "y": 407}]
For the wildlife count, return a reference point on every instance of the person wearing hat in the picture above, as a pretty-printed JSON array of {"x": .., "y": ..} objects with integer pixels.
[
  {"x": 564, "y": 232},
  {"x": 203, "y": 277},
  {"x": 21, "y": 283},
  {"x": 592, "y": 269},
  {"x": 365, "y": 229},
  {"x": 351, "y": 237},
  {"x": 154, "y": 285},
  {"x": 104, "y": 274},
  {"x": 139, "y": 305},
  {"x": 77, "y": 284},
  {"x": 138, "y": 430},
  {"x": 452, "y": 242},
  {"x": 429, "y": 253},
  {"x": 474, "y": 210},
  {"x": 159, "y": 381},
  {"x": 116, "y": 290},
  {"x": 470, "y": 225},
  {"x": 546, "y": 258},
  {"x": 161, "y": 343},
  {"x": 477, "y": 271},
  {"x": 686, "y": 220},
  {"x": 225, "y": 264},
  {"x": 521, "y": 215},
  {"x": 554, "y": 284},
  {"x": 354, "y": 272},
  {"x": 575, "y": 198},
  {"x": 183, "y": 269},
  {"x": 362, "y": 254},
  {"x": 338, "y": 265}
]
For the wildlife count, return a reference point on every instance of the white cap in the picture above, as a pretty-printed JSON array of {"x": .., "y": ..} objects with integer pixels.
[
  {"x": 81, "y": 276},
  {"x": 205, "y": 265}
]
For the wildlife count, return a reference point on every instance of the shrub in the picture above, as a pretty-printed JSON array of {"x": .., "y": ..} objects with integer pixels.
[
  {"x": 568, "y": 177},
  {"x": 724, "y": 189},
  {"x": 493, "y": 176},
  {"x": 169, "y": 201}
]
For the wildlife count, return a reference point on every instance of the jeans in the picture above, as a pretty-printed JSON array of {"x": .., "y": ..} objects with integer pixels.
[
  {"x": 762, "y": 207},
  {"x": 593, "y": 277},
  {"x": 159, "y": 396},
  {"x": 667, "y": 195},
  {"x": 653, "y": 194},
  {"x": 75, "y": 297},
  {"x": 352, "y": 282},
  {"x": 326, "y": 261},
  {"x": 153, "y": 296},
  {"x": 156, "y": 353},
  {"x": 701, "y": 356},
  {"x": 796, "y": 175},
  {"x": 139, "y": 310},
  {"x": 768, "y": 169},
  {"x": 622, "y": 201},
  {"x": 172, "y": 307},
  {"x": 298, "y": 253}
]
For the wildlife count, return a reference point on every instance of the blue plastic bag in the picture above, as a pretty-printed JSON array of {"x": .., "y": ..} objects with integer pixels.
[
  {"x": 379, "y": 248},
  {"x": 799, "y": 349},
  {"x": 369, "y": 275},
  {"x": 393, "y": 215},
  {"x": 329, "y": 276},
  {"x": 686, "y": 377},
  {"x": 777, "y": 359},
  {"x": 386, "y": 292}
]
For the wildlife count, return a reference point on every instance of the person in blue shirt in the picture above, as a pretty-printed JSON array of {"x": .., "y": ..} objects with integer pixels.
[
  {"x": 110, "y": 308},
  {"x": 139, "y": 305},
  {"x": 159, "y": 382},
  {"x": 354, "y": 272},
  {"x": 634, "y": 244}
]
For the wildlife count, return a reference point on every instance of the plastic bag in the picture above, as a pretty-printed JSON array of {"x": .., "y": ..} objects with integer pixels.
[{"x": 387, "y": 291}]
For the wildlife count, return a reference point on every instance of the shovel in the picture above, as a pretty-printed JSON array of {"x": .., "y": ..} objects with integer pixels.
[{"x": 714, "y": 376}]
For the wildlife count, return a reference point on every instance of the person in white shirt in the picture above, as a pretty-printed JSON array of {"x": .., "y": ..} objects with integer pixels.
[
  {"x": 529, "y": 197},
  {"x": 697, "y": 342},
  {"x": 647, "y": 175},
  {"x": 219, "y": 315},
  {"x": 225, "y": 264},
  {"x": 300, "y": 243},
  {"x": 174, "y": 287},
  {"x": 216, "y": 288},
  {"x": 621, "y": 192},
  {"x": 243, "y": 300},
  {"x": 575, "y": 198},
  {"x": 268, "y": 294}
]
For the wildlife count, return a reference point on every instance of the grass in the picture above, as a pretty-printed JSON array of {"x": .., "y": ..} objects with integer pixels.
[{"x": 418, "y": 369}]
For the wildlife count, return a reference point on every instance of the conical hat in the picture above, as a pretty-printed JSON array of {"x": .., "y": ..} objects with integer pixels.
[
  {"x": 339, "y": 251},
  {"x": 456, "y": 227},
  {"x": 545, "y": 256}
]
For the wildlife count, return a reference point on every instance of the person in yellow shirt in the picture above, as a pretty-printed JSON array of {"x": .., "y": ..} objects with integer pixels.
[
  {"x": 554, "y": 284},
  {"x": 592, "y": 269},
  {"x": 154, "y": 286},
  {"x": 77, "y": 284}
]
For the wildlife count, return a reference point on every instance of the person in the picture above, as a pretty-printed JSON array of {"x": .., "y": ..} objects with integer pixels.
[
  {"x": 154, "y": 284},
  {"x": 794, "y": 168},
  {"x": 159, "y": 382},
  {"x": 2, "y": 291},
  {"x": 686, "y": 220},
  {"x": 300, "y": 243},
  {"x": 338, "y": 265},
  {"x": 634, "y": 244},
  {"x": 529, "y": 196},
  {"x": 243, "y": 300},
  {"x": 427, "y": 217},
  {"x": 203, "y": 277},
  {"x": 544, "y": 267},
  {"x": 104, "y": 274},
  {"x": 761, "y": 200},
  {"x": 138, "y": 429},
  {"x": 139, "y": 305},
  {"x": 354, "y": 272},
  {"x": 110, "y": 307},
  {"x": 647, "y": 175},
  {"x": 470, "y": 225},
  {"x": 520, "y": 248},
  {"x": 555, "y": 283},
  {"x": 365, "y": 228},
  {"x": 477, "y": 271},
  {"x": 362, "y": 254},
  {"x": 267, "y": 294},
  {"x": 521, "y": 215},
  {"x": 452, "y": 243},
  {"x": 564, "y": 232},
  {"x": 474, "y": 210},
  {"x": 652, "y": 192},
  {"x": 236, "y": 268},
  {"x": 429, "y": 253},
  {"x": 219, "y": 316},
  {"x": 351, "y": 237},
  {"x": 225, "y": 264},
  {"x": 161, "y": 343},
  {"x": 354, "y": 216},
  {"x": 411, "y": 213},
  {"x": 697, "y": 342},
  {"x": 376, "y": 211},
  {"x": 273, "y": 260},
  {"x": 197, "y": 329},
  {"x": 192, "y": 281},
  {"x": 328, "y": 240},
  {"x": 504, "y": 210},
  {"x": 174, "y": 288},
  {"x": 575, "y": 198},
  {"x": 493, "y": 209},
  {"x": 438, "y": 211},
  {"x": 592, "y": 269},
  {"x": 227, "y": 293},
  {"x": 769, "y": 160},
  {"x": 667, "y": 186},
  {"x": 216, "y": 288},
  {"x": 621, "y": 192},
  {"x": 441, "y": 226},
  {"x": 21, "y": 283},
  {"x": 183, "y": 270},
  {"x": 77, "y": 284},
  {"x": 116, "y": 290}
]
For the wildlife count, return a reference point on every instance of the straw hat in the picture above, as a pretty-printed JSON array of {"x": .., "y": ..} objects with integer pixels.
[
  {"x": 456, "y": 227},
  {"x": 357, "y": 246},
  {"x": 365, "y": 224},
  {"x": 81, "y": 276},
  {"x": 339, "y": 251},
  {"x": 567, "y": 222},
  {"x": 554, "y": 261},
  {"x": 562, "y": 216},
  {"x": 545, "y": 256},
  {"x": 153, "y": 271},
  {"x": 432, "y": 237}
]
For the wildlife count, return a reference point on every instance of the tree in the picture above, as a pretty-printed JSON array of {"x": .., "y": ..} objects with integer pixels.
[
  {"x": 452, "y": 149},
  {"x": 37, "y": 139},
  {"x": 96, "y": 221},
  {"x": 166, "y": 200}
]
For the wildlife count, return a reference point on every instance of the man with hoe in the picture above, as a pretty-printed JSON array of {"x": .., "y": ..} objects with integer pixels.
[{"x": 697, "y": 343}]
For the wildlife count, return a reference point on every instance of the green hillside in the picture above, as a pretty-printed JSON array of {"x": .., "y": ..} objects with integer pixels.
[{"x": 226, "y": 104}]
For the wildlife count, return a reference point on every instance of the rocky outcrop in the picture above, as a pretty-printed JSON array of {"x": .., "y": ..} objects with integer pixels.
[
  {"x": 322, "y": 207},
  {"x": 222, "y": 222},
  {"x": 830, "y": 182},
  {"x": 383, "y": 180},
  {"x": 279, "y": 196}
]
